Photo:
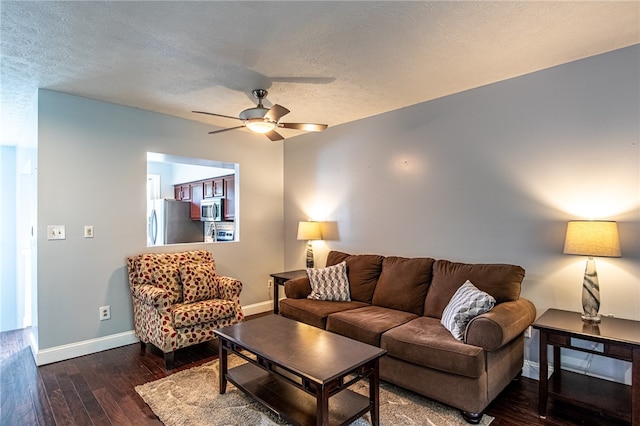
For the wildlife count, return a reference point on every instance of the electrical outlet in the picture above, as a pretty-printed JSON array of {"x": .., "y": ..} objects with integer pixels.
[
  {"x": 105, "y": 312},
  {"x": 88, "y": 231},
  {"x": 270, "y": 284},
  {"x": 527, "y": 333}
]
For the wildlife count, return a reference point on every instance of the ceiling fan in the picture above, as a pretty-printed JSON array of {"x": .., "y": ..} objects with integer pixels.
[{"x": 264, "y": 120}]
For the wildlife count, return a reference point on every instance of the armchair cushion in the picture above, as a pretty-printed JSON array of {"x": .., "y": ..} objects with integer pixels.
[
  {"x": 198, "y": 282},
  {"x": 190, "y": 314}
]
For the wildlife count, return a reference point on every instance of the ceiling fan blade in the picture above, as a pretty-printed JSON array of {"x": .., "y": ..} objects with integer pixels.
[
  {"x": 225, "y": 130},
  {"x": 274, "y": 136},
  {"x": 307, "y": 127},
  {"x": 276, "y": 112},
  {"x": 217, "y": 115}
]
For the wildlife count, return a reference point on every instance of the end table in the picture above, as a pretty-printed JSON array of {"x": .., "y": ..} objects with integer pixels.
[
  {"x": 614, "y": 338},
  {"x": 279, "y": 279}
]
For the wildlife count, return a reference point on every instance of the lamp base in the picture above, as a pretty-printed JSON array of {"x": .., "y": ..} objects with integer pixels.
[
  {"x": 590, "y": 293},
  {"x": 309, "y": 255},
  {"x": 590, "y": 319}
]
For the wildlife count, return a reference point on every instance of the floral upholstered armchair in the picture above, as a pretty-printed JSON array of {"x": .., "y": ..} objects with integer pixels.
[{"x": 178, "y": 300}]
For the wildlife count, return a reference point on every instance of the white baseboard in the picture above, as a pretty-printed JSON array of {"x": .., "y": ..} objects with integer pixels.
[
  {"x": 258, "y": 308},
  {"x": 86, "y": 347}
]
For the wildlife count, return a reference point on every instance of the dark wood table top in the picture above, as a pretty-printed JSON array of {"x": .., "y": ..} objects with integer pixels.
[
  {"x": 310, "y": 352},
  {"x": 609, "y": 329}
]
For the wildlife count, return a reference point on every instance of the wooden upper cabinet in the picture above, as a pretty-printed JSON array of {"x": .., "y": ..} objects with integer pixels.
[
  {"x": 208, "y": 188},
  {"x": 196, "y": 198},
  {"x": 182, "y": 192},
  {"x": 195, "y": 192},
  {"x": 218, "y": 187}
]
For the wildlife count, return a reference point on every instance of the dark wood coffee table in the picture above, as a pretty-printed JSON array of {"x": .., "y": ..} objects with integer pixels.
[{"x": 294, "y": 369}]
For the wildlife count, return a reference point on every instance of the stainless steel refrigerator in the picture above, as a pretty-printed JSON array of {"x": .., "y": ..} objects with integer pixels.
[{"x": 169, "y": 222}]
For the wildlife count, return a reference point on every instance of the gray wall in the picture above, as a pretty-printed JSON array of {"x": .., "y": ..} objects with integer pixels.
[
  {"x": 488, "y": 175},
  {"x": 92, "y": 169}
]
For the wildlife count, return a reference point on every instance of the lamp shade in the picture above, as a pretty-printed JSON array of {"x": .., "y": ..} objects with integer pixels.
[
  {"x": 592, "y": 238},
  {"x": 309, "y": 231}
]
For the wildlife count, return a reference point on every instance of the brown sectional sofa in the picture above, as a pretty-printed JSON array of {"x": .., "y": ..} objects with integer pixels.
[{"x": 397, "y": 303}]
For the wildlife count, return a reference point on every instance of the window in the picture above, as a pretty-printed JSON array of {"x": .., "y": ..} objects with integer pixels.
[{"x": 176, "y": 188}]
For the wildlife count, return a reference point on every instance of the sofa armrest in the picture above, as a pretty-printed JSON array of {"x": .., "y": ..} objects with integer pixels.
[
  {"x": 229, "y": 288},
  {"x": 298, "y": 288},
  {"x": 500, "y": 325},
  {"x": 151, "y": 295}
]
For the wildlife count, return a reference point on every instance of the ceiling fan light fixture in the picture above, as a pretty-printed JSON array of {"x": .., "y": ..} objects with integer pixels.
[{"x": 259, "y": 125}]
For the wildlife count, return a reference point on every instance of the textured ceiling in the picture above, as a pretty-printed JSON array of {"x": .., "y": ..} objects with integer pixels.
[{"x": 328, "y": 62}]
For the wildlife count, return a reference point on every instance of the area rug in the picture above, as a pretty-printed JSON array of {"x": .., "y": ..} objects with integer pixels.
[{"x": 191, "y": 398}]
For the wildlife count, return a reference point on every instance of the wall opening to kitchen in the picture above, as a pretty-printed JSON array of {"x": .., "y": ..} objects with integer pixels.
[{"x": 191, "y": 200}]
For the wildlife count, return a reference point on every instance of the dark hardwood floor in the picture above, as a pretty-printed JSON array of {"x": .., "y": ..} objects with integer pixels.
[{"x": 98, "y": 389}]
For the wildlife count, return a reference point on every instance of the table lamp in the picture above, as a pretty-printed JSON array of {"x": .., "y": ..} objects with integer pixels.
[
  {"x": 309, "y": 231},
  {"x": 592, "y": 238}
]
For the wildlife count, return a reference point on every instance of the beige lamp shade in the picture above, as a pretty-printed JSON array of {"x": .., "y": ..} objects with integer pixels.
[
  {"x": 309, "y": 231},
  {"x": 592, "y": 238}
]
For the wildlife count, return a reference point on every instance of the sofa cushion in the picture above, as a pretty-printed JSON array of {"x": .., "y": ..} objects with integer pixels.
[
  {"x": 499, "y": 280},
  {"x": 367, "y": 324},
  {"x": 314, "y": 312},
  {"x": 467, "y": 303},
  {"x": 403, "y": 283},
  {"x": 330, "y": 283},
  {"x": 424, "y": 341},
  {"x": 198, "y": 282},
  {"x": 190, "y": 314},
  {"x": 363, "y": 271}
]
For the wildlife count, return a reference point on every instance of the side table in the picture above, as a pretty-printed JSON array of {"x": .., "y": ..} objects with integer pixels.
[
  {"x": 614, "y": 338},
  {"x": 279, "y": 279}
]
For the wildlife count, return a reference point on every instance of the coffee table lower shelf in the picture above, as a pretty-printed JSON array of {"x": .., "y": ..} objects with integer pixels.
[{"x": 293, "y": 404}]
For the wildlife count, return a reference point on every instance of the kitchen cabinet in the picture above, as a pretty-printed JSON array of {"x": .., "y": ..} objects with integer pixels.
[
  {"x": 195, "y": 192},
  {"x": 214, "y": 188},
  {"x": 182, "y": 192},
  {"x": 218, "y": 188},
  {"x": 230, "y": 198},
  {"x": 208, "y": 189},
  {"x": 196, "y": 198}
]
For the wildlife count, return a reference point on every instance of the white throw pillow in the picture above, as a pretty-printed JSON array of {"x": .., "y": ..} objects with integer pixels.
[
  {"x": 329, "y": 283},
  {"x": 467, "y": 303}
]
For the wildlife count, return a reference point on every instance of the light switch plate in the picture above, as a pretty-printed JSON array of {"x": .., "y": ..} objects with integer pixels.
[
  {"x": 56, "y": 232},
  {"x": 88, "y": 231}
]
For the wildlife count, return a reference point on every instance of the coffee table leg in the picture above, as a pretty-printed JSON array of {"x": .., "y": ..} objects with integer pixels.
[
  {"x": 222, "y": 357},
  {"x": 374, "y": 393},
  {"x": 322, "y": 401}
]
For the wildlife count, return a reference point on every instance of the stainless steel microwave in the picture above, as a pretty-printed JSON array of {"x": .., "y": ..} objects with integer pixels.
[{"x": 211, "y": 210}]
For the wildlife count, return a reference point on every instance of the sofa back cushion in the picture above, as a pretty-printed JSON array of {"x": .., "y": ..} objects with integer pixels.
[
  {"x": 403, "y": 283},
  {"x": 499, "y": 280},
  {"x": 363, "y": 271}
]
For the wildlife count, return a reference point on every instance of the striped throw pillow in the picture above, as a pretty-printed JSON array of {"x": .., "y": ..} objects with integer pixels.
[{"x": 467, "y": 303}]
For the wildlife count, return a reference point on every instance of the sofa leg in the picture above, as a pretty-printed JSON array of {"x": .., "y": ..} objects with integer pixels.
[
  {"x": 143, "y": 347},
  {"x": 168, "y": 360},
  {"x": 473, "y": 418},
  {"x": 518, "y": 376}
]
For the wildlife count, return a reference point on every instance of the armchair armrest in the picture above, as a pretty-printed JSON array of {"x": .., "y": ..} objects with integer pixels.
[
  {"x": 298, "y": 288},
  {"x": 500, "y": 325},
  {"x": 150, "y": 295},
  {"x": 229, "y": 288}
]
